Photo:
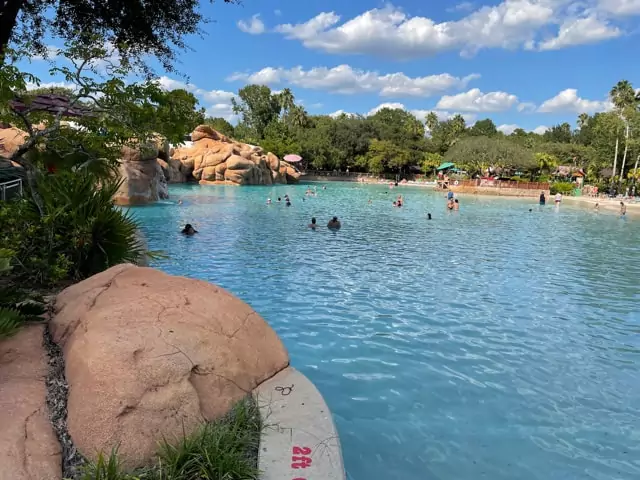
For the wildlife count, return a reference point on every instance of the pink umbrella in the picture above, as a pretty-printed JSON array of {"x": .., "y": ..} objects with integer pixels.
[{"x": 291, "y": 158}]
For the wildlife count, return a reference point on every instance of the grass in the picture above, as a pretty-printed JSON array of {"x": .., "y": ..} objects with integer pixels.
[{"x": 226, "y": 449}]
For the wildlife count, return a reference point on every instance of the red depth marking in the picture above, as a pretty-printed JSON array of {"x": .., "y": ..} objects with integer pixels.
[{"x": 300, "y": 459}]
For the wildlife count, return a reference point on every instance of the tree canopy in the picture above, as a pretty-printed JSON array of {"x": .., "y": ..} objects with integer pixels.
[{"x": 136, "y": 28}]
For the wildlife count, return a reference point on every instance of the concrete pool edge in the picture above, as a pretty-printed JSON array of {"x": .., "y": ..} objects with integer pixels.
[{"x": 300, "y": 439}]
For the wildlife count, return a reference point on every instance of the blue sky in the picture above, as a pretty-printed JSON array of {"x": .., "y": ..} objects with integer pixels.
[{"x": 526, "y": 63}]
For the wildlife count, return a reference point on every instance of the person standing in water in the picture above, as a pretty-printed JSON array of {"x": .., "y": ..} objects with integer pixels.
[
  {"x": 623, "y": 209},
  {"x": 558, "y": 199},
  {"x": 543, "y": 199},
  {"x": 334, "y": 224},
  {"x": 456, "y": 205},
  {"x": 188, "y": 230},
  {"x": 313, "y": 224}
]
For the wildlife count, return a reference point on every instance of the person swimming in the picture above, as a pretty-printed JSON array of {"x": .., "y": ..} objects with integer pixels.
[
  {"x": 395, "y": 203},
  {"x": 188, "y": 230},
  {"x": 456, "y": 205},
  {"x": 428, "y": 216},
  {"x": 268, "y": 201},
  {"x": 279, "y": 200},
  {"x": 450, "y": 204},
  {"x": 287, "y": 202},
  {"x": 334, "y": 224},
  {"x": 313, "y": 225},
  {"x": 179, "y": 202}
]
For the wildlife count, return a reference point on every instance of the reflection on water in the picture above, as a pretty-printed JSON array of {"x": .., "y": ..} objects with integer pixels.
[{"x": 492, "y": 343}]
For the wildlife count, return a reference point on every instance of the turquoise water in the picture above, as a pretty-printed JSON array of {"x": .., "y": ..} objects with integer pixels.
[{"x": 491, "y": 343}]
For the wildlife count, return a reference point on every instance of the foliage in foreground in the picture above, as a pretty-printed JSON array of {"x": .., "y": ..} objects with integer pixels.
[
  {"x": 79, "y": 233},
  {"x": 223, "y": 450}
]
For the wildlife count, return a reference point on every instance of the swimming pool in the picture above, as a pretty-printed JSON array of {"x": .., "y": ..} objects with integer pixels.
[{"x": 492, "y": 343}]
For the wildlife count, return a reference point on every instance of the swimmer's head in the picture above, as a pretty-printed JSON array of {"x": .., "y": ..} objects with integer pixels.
[
  {"x": 313, "y": 220},
  {"x": 428, "y": 216},
  {"x": 335, "y": 219}
]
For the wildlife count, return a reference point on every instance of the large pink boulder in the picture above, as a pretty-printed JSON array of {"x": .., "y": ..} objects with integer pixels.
[
  {"x": 150, "y": 356},
  {"x": 29, "y": 449}
]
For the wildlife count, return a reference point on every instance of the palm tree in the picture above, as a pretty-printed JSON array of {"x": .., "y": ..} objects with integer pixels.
[
  {"x": 298, "y": 116},
  {"x": 286, "y": 101},
  {"x": 583, "y": 119},
  {"x": 432, "y": 121},
  {"x": 625, "y": 101}
]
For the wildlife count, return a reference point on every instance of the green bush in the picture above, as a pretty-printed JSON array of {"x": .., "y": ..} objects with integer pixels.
[
  {"x": 223, "y": 450},
  {"x": 565, "y": 188},
  {"x": 79, "y": 232}
]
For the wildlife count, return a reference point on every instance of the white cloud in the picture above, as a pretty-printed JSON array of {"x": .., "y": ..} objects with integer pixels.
[
  {"x": 581, "y": 31},
  {"x": 337, "y": 113},
  {"x": 254, "y": 25},
  {"x": 393, "y": 106},
  {"x": 568, "y": 101},
  {"x": 346, "y": 80},
  {"x": 511, "y": 24},
  {"x": 507, "y": 129},
  {"x": 444, "y": 115},
  {"x": 70, "y": 86},
  {"x": 541, "y": 129},
  {"x": 620, "y": 7},
  {"x": 476, "y": 101},
  {"x": 219, "y": 100}
]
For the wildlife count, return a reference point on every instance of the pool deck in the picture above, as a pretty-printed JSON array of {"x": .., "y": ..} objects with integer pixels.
[{"x": 300, "y": 440}]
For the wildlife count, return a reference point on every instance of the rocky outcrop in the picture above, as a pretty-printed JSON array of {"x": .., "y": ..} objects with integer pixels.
[
  {"x": 143, "y": 180},
  {"x": 150, "y": 356},
  {"x": 214, "y": 158},
  {"x": 11, "y": 139},
  {"x": 29, "y": 449}
]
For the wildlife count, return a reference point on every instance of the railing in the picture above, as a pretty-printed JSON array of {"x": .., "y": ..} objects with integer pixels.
[{"x": 15, "y": 185}]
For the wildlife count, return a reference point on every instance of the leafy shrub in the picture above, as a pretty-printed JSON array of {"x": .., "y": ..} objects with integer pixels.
[
  {"x": 226, "y": 450},
  {"x": 565, "y": 188},
  {"x": 79, "y": 233}
]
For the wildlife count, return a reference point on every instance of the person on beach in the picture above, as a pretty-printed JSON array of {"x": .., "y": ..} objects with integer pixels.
[
  {"x": 313, "y": 224},
  {"x": 334, "y": 224},
  {"x": 623, "y": 209},
  {"x": 188, "y": 230},
  {"x": 558, "y": 199},
  {"x": 543, "y": 199},
  {"x": 456, "y": 205}
]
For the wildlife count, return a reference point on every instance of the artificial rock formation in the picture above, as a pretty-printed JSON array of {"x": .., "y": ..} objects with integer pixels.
[
  {"x": 11, "y": 139},
  {"x": 214, "y": 158},
  {"x": 149, "y": 356},
  {"x": 29, "y": 449},
  {"x": 143, "y": 180}
]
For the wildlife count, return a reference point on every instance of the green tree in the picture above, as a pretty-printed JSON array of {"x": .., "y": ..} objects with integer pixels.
[
  {"x": 221, "y": 125},
  {"x": 484, "y": 128},
  {"x": 136, "y": 28},
  {"x": 258, "y": 107},
  {"x": 477, "y": 154},
  {"x": 558, "y": 133},
  {"x": 626, "y": 103},
  {"x": 546, "y": 162},
  {"x": 431, "y": 162},
  {"x": 384, "y": 154}
]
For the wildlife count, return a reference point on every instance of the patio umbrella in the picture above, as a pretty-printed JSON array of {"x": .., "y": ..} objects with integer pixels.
[
  {"x": 292, "y": 158},
  {"x": 445, "y": 165}
]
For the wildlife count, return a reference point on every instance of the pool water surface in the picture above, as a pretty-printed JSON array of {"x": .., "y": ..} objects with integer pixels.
[{"x": 493, "y": 342}]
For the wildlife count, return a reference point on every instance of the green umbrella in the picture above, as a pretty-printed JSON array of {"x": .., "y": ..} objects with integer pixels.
[{"x": 445, "y": 166}]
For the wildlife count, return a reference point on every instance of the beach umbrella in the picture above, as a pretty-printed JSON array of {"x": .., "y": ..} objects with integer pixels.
[{"x": 292, "y": 158}]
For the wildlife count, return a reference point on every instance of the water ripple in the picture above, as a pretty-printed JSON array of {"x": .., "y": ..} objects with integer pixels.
[{"x": 490, "y": 343}]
